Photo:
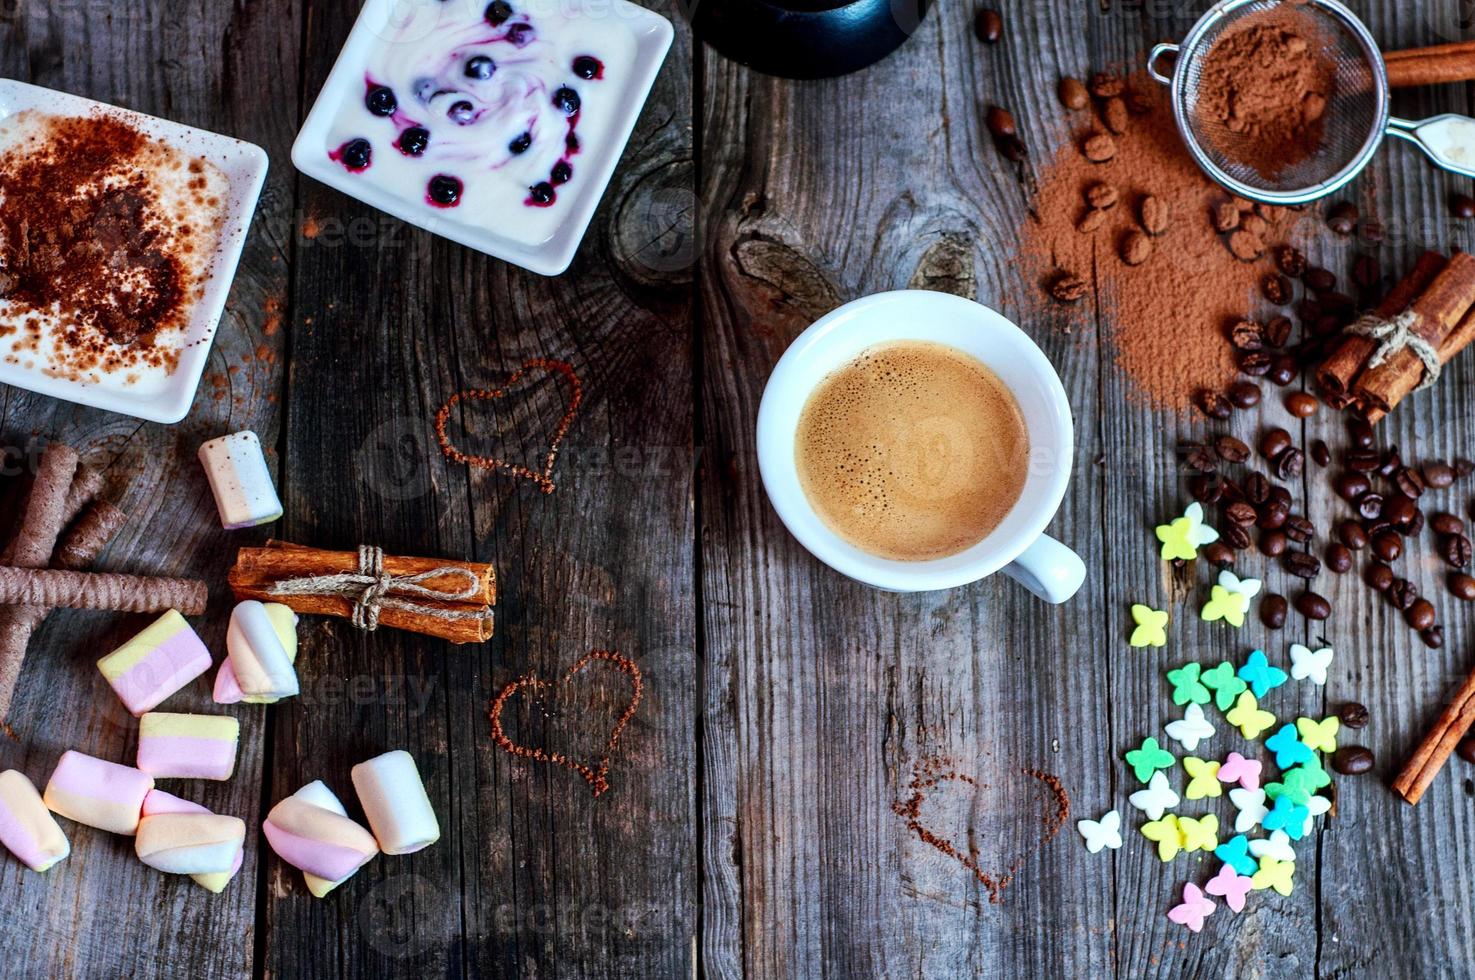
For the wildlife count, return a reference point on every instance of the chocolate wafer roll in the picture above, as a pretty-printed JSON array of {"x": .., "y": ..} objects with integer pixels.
[{"x": 106, "y": 591}]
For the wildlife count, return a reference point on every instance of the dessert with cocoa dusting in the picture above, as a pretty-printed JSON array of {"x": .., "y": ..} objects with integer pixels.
[
  {"x": 106, "y": 236},
  {"x": 1264, "y": 91}
]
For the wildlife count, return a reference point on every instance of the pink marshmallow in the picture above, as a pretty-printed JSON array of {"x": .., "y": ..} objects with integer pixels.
[
  {"x": 156, "y": 663},
  {"x": 187, "y": 746},
  {"x": 26, "y": 828},
  {"x": 99, "y": 794}
]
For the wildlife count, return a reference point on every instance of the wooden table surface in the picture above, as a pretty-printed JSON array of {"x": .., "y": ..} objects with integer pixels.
[{"x": 750, "y": 827}]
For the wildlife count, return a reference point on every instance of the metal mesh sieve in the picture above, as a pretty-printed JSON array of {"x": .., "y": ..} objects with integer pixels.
[{"x": 1354, "y": 122}]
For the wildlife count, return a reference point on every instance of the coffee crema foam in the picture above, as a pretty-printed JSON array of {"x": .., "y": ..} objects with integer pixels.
[{"x": 913, "y": 451}]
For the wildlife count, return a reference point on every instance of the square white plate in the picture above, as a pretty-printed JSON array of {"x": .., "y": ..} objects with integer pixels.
[
  {"x": 155, "y": 396},
  {"x": 380, "y": 20}
]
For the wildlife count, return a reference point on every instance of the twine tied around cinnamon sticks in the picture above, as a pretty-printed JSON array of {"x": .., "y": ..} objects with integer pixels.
[
  {"x": 371, "y": 589},
  {"x": 1394, "y": 334}
]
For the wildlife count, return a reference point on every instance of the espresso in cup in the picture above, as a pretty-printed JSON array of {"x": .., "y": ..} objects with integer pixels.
[{"x": 912, "y": 451}]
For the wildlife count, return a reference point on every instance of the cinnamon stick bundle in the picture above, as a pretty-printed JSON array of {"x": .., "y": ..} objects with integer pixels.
[
  {"x": 1440, "y": 310},
  {"x": 1435, "y": 749},
  {"x": 1343, "y": 366},
  {"x": 324, "y": 583}
]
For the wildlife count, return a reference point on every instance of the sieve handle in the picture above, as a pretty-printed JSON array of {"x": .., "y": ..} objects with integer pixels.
[
  {"x": 1448, "y": 140},
  {"x": 1158, "y": 53}
]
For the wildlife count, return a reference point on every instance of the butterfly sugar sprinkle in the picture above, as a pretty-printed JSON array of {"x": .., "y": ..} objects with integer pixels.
[
  {"x": 1182, "y": 537},
  {"x": 1103, "y": 833}
]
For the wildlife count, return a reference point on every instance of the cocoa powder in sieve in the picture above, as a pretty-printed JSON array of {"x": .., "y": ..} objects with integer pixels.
[
  {"x": 1170, "y": 315},
  {"x": 1264, "y": 90}
]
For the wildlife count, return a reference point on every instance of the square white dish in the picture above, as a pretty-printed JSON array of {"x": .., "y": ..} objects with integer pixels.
[
  {"x": 153, "y": 394},
  {"x": 406, "y": 30}
]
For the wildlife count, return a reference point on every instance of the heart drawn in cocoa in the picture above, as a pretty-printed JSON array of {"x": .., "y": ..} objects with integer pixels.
[
  {"x": 936, "y": 778},
  {"x": 544, "y": 477},
  {"x": 595, "y": 772}
]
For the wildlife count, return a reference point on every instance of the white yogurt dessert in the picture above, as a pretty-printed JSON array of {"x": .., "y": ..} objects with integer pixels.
[{"x": 487, "y": 112}]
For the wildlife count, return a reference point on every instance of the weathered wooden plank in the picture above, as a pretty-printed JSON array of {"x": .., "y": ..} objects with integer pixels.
[
  {"x": 822, "y": 694},
  {"x": 533, "y": 875},
  {"x": 102, "y": 912}
]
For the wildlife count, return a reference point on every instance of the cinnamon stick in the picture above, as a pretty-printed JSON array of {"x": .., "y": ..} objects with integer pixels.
[
  {"x": 258, "y": 570},
  {"x": 1436, "y": 65},
  {"x": 1347, "y": 361},
  {"x": 1435, "y": 749},
  {"x": 78, "y": 549},
  {"x": 100, "y": 590},
  {"x": 1440, "y": 309}
]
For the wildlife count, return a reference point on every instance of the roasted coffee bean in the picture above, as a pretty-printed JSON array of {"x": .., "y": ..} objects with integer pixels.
[
  {"x": 1257, "y": 489},
  {"x": 1374, "y": 528},
  {"x": 1438, "y": 475},
  {"x": 1274, "y": 442},
  {"x": 1463, "y": 467},
  {"x": 1000, "y": 121},
  {"x": 1273, "y": 515},
  {"x": 1231, "y": 450},
  {"x": 1447, "y": 524},
  {"x": 1283, "y": 370},
  {"x": 1301, "y": 565},
  {"x": 1399, "y": 510},
  {"x": 1069, "y": 287},
  {"x": 1114, "y": 114},
  {"x": 1387, "y": 545},
  {"x": 1360, "y": 433},
  {"x": 1273, "y": 611},
  {"x": 1244, "y": 394},
  {"x": 1290, "y": 464},
  {"x": 1391, "y": 462},
  {"x": 1313, "y": 606},
  {"x": 1455, "y": 550},
  {"x": 1338, "y": 558},
  {"x": 1225, "y": 217},
  {"x": 1299, "y": 529},
  {"x": 1462, "y": 586},
  {"x": 1247, "y": 335},
  {"x": 1277, "y": 331},
  {"x": 1352, "y": 760},
  {"x": 1416, "y": 526},
  {"x": 1462, "y": 206},
  {"x": 1420, "y": 615},
  {"x": 1232, "y": 492},
  {"x": 1320, "y": 454},
  {"x": 1379, "y": 576},
  {"x": 1276, "y": 288},
  {"x": 1219, "y": 554},
  {"x": 1281, "y": 496},
  {"x": 1255, "y": 363},
  {"x": 1353, "y": 715},
  {"x": 1371, "y": 231},
  {"x": 1073, "y": 94},
  {"x": 1011, "y": 148},
  {"x": 1154, "y": 215},
  {"x": 1370, "y": 505},
  {"x": 1091, "y": 222},
  {"x": 1403, "y": 594},
  {"x": 1342, "y": 218},
  {"x": 1101, "y": 196},
  {"x": 1409, "y": 482},
  {"x": 1236, "y": 537},
  {"x": 1433, "y": 637},
  {"x": 1309, "y": 310},
  {"x": 1351, "y": 485},
  {"x": 1213, "y": 404},
  {"x": 1319, "y": 280},
  {"x": 1290, "y": 261},
  {"x": 1272, "y": 544},
  {"x": 1302, "y": 404},
  {"x": 1241, "y": 513},
  {"x": 1105, "y": 85},
  {"x": 1246, "y": 245},
  {"x": 1360, "y": 460},
  {"x": 1198, "y": 457},
  {"x": 989, "y": 26},
  {"x": 1366, "y": 272},
  {"x": 1099, "y": 148},
  {"x": 1351, "y": 534}
]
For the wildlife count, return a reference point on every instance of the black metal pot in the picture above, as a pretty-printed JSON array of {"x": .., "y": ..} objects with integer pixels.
[{"x": 807, "y": 38}]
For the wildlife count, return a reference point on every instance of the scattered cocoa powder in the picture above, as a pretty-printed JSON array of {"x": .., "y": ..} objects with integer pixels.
[
  {"x": 1264, "y": 90},
  {"x": 1169, "y": 316}
]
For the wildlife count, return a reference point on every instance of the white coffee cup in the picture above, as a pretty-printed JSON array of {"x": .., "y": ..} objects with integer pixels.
[{"x": 1018, "y": 546}]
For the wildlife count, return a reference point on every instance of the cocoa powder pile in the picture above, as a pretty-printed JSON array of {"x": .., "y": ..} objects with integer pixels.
[
  {"x": 1128, "y": 229},
  {"x": 84, "y": 241},
  {"x": 1264, "y": 90}
]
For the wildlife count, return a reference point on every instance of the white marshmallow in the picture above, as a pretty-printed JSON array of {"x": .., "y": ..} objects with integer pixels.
[
  {"x": 394, "y": 799},
  {"x": 240, "y": 480},
  {"x": 262, "y": 664}
]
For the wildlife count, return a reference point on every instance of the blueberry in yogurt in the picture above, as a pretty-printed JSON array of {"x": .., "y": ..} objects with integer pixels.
[
  {"x": 542, "y": 195},
  {"x": 381, "y": 101},
  {"x": 498, "y": 12},
  {"x": 413, "y": 141},
  {"x": 444, "y": 191},
  {"x": 356, "y": 154},
  {"x": 521, "y": 145},
  {"x": 588, "y": 68},
  {"x": 480, "y": 68},
  {"x": 462, "y": 113},
  {"x": 520, "y": 35},
  {"x": 567, "y": 100},
  {"x": 563, "y": 172}
]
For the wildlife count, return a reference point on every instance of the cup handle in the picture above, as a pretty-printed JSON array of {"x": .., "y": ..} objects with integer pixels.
[{"x": 1048, "y": 569}]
